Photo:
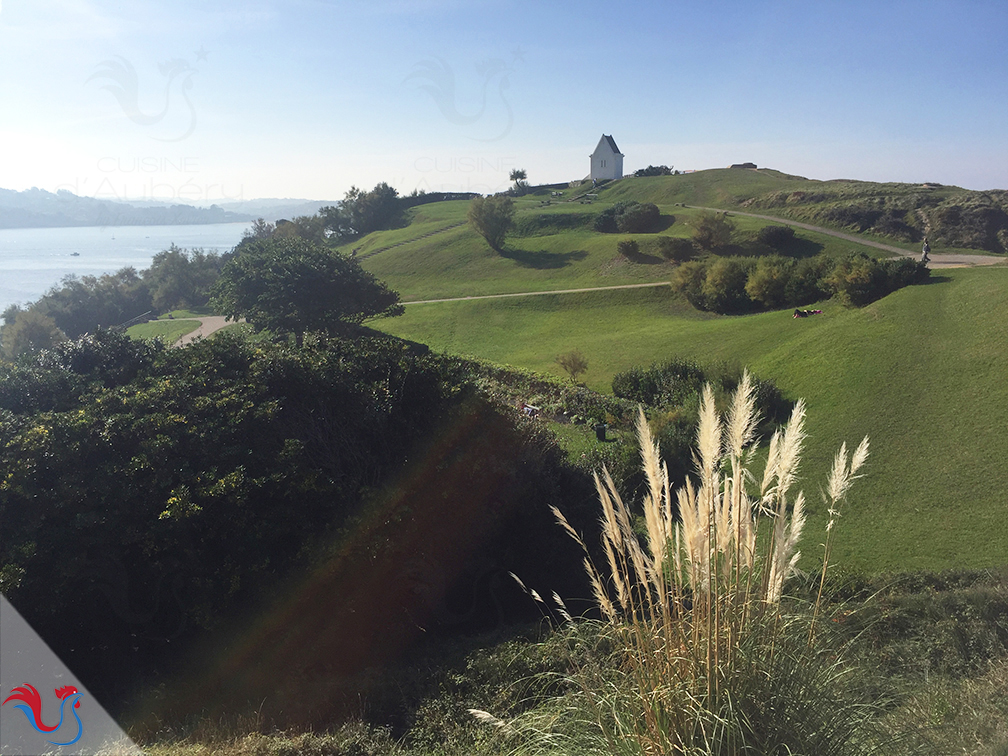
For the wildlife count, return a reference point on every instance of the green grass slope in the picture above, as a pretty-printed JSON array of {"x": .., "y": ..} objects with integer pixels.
[
  {"x": 921, "y": 372},
  {"x": 953, "y": 218},
  {"x": 168, "y": 331},
  {"x": 553, "y": 247}
]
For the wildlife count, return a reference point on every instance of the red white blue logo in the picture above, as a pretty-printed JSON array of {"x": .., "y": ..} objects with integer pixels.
[{"x": 31, "y": 706}]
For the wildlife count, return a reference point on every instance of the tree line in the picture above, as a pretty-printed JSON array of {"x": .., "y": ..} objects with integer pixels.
[{"x": 283, "y": 276}]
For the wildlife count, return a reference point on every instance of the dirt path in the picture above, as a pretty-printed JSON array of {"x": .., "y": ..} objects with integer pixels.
[
  {"x": 539, "y": 293},
  {"x": 937, "y": 260},
  {"x": 208, "y": 325}
]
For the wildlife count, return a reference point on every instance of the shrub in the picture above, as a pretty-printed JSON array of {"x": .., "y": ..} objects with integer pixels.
[
  {"x": 627, "y": 247},
  {"x": 857, "y": 280},
  {"x": 653, "y": 170},
  {"x": 492, "y": 218},
  {"x": 688, "y": 280},
  {"x": 777, "y": 237},
  {"x": 806, "y": 282},
  {"x": 712, "y": 230},
  {"x": 638, "y": 218},
  {"x": 768, "y": 281},
  {"x": 904, "y": 271},
  {"x": 705, "y": 656},
  {"x": 724, "y": 288},
  {"x": 628, "y": 217},
  {"x": 663, "y": 385},
  {"x": 675, "y": 248},
  {"x": 574, "y": 363},
  {"x": 30, "y": 332}
]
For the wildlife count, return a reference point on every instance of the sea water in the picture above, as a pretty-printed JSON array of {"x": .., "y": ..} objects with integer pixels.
[{"x": 33, "y": 260}]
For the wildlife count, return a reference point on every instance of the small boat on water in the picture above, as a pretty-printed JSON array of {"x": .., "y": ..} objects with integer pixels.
[{"x": 75, "y": 254}]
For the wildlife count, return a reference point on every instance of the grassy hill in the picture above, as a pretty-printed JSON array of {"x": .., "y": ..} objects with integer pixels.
[
  {"x": 553, "y": 247},
  {"x": 952, "y": 218},
  {"x": 919, "y": 371}
]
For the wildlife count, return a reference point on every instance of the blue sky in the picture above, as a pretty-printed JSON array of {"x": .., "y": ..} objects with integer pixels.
[{"x": 238, "y": 100}]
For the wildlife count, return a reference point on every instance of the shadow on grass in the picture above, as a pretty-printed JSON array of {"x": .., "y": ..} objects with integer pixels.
[
  {"x": 542, "y": 260},
  {"x": 664, "y": 222},
  {"x": 933, "y": 279},
  {"x": 642, "y": 258},
  {"x": 798, "y": 248}
]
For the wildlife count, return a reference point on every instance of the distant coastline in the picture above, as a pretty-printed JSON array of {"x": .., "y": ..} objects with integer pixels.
[
  {"x": 38, "y": 208},
  {"x": 34, "y": 259}
]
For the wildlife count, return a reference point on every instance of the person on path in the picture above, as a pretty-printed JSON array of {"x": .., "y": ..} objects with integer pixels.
[{"x": 927, "y": 248}]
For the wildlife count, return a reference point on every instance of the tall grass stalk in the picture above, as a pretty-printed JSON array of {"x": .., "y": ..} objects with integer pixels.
[{"x": 709, "y": 659}]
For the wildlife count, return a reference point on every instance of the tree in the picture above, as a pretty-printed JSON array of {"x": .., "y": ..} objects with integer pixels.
[
  {"x": 181, "y": 278},
  {"x": 767, "y": 283},
  {"x": 291, "y": 285},
  {"x": 360, "y": 212},
  {"x": 82, "y": 305},
  {"x": 260, "y": 229},
  {"x": 518, "y": 175},
  {"x": 653, "y": 170},
  {"x": 574, "y": 363},
  {"x": 30, "y": 331},
  {"x": 712, "y": 230},
  {"x": 724, "y": 286},
  {"x": 491, "y": 218},
  {"x": 675, "y": 248},
  {"x": 309, "y": 227}
]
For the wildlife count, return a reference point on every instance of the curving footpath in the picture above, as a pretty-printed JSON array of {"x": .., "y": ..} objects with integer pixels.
[
  {"x": 538, "y": 293},
  {"x": 209, "y": 324}
]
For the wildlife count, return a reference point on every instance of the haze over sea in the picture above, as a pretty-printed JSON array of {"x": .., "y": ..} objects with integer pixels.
[{"x": 32, "y": 260}]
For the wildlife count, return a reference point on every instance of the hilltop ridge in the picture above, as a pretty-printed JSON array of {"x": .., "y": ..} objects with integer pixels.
[{"x": 948, "y": 215}]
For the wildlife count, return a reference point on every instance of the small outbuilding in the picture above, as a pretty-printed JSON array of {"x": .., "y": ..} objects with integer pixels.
[{"x": 607, "y": 160}]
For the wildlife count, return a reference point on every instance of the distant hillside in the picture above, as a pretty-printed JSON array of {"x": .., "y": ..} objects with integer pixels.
[
  {"x": 948, "y": 215},
  {"x": 274, "y": 209},
  {"x": 37, "y": 208}
]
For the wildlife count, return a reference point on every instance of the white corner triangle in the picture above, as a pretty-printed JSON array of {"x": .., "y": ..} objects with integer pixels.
[{"x": 28, "y": 664}]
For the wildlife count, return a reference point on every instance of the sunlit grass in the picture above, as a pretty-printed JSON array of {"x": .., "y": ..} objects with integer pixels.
[
  {"x": 168, "y": 331},
  {"x": 922, "y": 368}
]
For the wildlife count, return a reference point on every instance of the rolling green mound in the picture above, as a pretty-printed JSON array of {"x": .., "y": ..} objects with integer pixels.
[
  {"x": 920, "y": 371},
  {"x": 952, "y": 218},
  {"x": 552, "y": 247}
]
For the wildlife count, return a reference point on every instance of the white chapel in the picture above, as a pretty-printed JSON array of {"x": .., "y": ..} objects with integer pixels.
[{"x": 607, "y": 160}]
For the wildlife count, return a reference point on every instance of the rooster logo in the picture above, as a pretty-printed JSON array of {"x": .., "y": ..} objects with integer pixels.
[
  {"x": 33, "y": 709},
  {"x": 440, "y": 85},
  {"x": 124, "y": 84}
]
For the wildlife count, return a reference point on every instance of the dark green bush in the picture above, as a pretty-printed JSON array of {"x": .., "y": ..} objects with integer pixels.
[
  {"x": 675, "y": 248},
  {"x": 724, "y": 287},
  {"x": 777, "y": 237},
  {"x": 805, "y": 284},
  {"x": 860, "y": 279},
  {"x": 627, "y": 247},
  {"x": 731, "y": 285},
  {"x": 638, "y": 218},
  {"x": 767, "y": 283},
  {"x": 688, "y": 280},
  {"x": 653, "y": 170},
  {"x": 712, "y": 230},
  {"x": 628, "y": 217}
]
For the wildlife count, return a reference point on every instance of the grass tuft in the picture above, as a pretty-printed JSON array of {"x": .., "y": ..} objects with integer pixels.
[{"x": 706, "y": 654}]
